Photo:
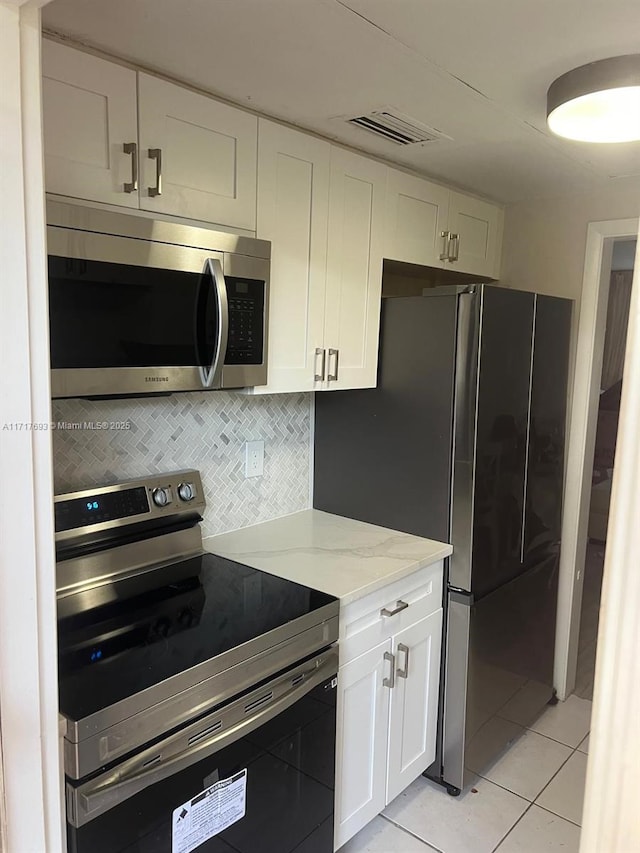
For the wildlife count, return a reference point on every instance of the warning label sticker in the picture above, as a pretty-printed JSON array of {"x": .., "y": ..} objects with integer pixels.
[{"x": 209, "y": 813}]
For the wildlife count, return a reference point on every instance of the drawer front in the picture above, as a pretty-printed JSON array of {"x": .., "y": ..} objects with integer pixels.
[{"x": 363, "y": 624}]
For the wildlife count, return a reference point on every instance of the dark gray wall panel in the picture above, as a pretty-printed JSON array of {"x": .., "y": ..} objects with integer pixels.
[{"x": 383, "y": 455}]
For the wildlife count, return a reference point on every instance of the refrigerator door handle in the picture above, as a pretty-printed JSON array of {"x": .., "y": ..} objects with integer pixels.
[
  {"x": 525, "y": 486},
  {"x": 461, "y": 596}
]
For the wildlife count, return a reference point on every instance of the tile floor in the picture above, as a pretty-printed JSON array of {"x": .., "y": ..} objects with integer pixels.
[{"x": 528, "y": 801}]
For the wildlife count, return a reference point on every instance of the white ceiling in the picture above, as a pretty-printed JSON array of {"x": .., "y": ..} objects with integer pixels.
[{"x": 477, "y": 70}]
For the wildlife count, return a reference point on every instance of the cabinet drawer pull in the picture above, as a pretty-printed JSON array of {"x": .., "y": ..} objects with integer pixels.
[
  {"x": 319, "y": 377},
  {"x": 400, "y": 605},
  {"x": 391, "y": 681},
  {"x": 446, "y": 237},
  {"x": 404, "y": 673},
  {"x": 156, "y": 154},
  {"x": 333, "y": 376},
  {"x": 132, "y": 149}
]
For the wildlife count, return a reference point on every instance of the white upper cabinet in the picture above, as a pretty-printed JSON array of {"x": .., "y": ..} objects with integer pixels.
[
  {"x": 160, "y": 148},
  {"x": 89, "y": 108},
  {"x": 323, "y": 210},
  {"x": 476, "y": 235},
  {"x": 293, "y": 210},
  {"x": 354, "y": 270},
  {"x": 197, "y": 155},
  {"x": 416, "y": 217},
  {"x": 431, "y": 225}
]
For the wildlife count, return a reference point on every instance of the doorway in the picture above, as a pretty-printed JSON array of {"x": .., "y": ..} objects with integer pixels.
[{"x": 608, "y": 411}]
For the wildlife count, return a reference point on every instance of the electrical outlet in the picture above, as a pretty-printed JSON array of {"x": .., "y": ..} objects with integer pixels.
[{"x": 254, "y": 459}]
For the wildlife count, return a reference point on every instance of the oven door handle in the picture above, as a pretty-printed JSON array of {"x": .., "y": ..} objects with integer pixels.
[
  {"x": 99, "y": 795},
  {"x": 211, "y": 374}
]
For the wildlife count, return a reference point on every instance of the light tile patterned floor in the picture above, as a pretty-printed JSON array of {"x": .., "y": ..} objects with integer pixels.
[{"x": 528, "y": 801}]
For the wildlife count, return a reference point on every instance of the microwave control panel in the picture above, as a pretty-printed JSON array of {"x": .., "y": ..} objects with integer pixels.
[{"x": 246, "y": 320}]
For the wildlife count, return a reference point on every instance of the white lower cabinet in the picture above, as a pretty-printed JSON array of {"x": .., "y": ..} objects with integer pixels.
[
  {"x": 362, "y": 725},
  {"x": 387, "y": 699},
  {"x": 414, "y": 703}
]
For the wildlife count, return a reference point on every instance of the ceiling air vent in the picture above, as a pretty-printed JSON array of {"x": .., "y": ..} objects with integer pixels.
[{"x": 396, "y": 128}]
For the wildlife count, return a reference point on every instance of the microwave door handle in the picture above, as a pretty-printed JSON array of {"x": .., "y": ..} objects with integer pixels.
[{"x": 211, "y": 375}]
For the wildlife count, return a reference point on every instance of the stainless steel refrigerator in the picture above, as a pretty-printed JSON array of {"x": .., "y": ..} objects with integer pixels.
[{"x": 463, "y": 441}]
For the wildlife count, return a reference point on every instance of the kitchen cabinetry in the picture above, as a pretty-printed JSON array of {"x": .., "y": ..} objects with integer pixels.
[
  {"x": 417, "y": 213},
  {"x": 293, "y": 212},
  {"x": 323, "y": 210},
  {"x": 475, "y": 235},
  {"x": 387, "y": 695},
  {"x": 194, "y": 157},
  {"x": 205, "y": 155},
  {"x": 89, "y": 112},
  {"x": 354, "y": 270},
  {"x": 430, "y": 225}
]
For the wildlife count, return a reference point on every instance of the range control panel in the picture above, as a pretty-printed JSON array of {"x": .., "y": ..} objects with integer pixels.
[{"x": 128, "y": 502}]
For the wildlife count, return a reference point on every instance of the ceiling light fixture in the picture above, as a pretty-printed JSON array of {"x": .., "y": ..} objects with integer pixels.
[{"x": 598, "y": 102}]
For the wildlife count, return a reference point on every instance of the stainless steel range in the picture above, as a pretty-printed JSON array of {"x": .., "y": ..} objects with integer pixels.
[{"x": 199, "y": 693}]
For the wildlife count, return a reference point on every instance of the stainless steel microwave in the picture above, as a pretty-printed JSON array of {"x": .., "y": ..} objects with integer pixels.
[{"x": 141, "y": 306}]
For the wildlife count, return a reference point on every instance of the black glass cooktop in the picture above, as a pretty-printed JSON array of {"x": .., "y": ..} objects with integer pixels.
[{"x": 165, "y": 622}]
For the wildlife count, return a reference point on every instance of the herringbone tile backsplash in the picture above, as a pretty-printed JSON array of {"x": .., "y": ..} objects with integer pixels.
[{"x": 205, "y": 431}]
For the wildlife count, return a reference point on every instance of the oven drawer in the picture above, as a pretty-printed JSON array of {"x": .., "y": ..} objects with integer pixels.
[
  {"x": 376, "y": 617},
  {"x": 263, "y": 764}
]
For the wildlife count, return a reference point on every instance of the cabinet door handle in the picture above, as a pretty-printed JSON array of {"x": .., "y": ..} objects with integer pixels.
[
  {"x": 333, "y": 376},
  {"x": 404, "y": 673},
  {"x": 391, "y": 681},
  {"x": 319, "y": 377},
  {"x": 446, "y": 237},
  {"x": 132, "y": 149},
  {"x": 455, "y": 240},
  {"x": 400, "y": 605},
  {"x": 156, "y": 154}
]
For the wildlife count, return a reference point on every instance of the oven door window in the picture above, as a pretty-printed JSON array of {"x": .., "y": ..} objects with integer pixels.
[
  {"x": 106, "y": 315},
  {"x": 289, "y": 791}
]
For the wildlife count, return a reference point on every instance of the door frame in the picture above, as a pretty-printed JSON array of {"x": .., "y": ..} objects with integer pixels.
[
  {"x": 31, "y": 789},
  {"x": 581, "y": 440}
]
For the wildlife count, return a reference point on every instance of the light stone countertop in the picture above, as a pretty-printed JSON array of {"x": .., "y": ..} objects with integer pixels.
[{"x": 336, "y": 555}]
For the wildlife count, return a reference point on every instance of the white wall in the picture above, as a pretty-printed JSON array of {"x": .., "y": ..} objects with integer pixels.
[
  {"x": 544, "y": 241},
  {"x": 544, "y": 251}
]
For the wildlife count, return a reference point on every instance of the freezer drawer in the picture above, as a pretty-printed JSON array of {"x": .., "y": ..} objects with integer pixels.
[{"x": 499, "y": 668}]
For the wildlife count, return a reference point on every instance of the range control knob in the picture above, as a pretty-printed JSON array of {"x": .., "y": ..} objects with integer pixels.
[
  {"x": 186, "y": 492},
  {"x": 161, "y": 496}
]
